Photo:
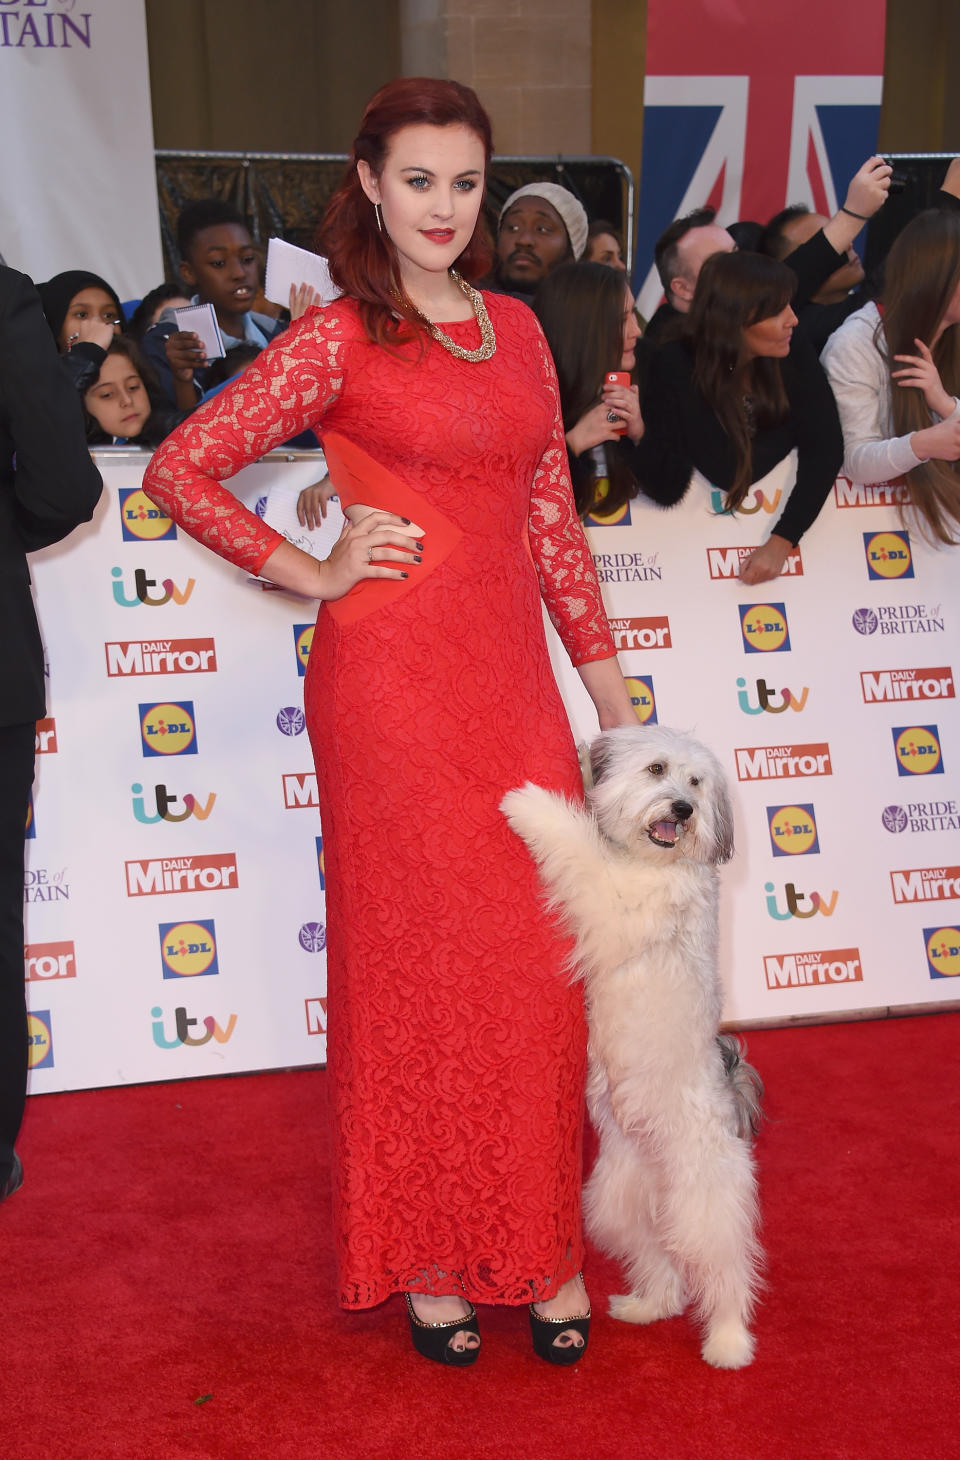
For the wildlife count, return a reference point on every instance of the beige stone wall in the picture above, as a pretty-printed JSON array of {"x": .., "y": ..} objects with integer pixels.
[{"x": 529, "y": 60}]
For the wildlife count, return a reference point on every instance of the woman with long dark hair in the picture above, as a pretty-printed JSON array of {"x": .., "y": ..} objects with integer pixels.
[
  {"x": 737, "y": 395},
  {"x": 586, "y": 311},
  {"x": 895, "y": 370},
  {"x": 457, "y": 1047}
]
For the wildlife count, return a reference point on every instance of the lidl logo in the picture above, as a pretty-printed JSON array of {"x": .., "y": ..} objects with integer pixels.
[
  {"x": 640, "y": 690},
  {"x": 168, "y": 728},
  {"x": 763, "y": 627},
  {"x": 917, "y": 749},
  {"x": 618, "y": 518},
  {"x": 302, "y": 643},
  {"x": 188, "y": 950},
  {"x": 321, "y": 866},
  {"x": 30, "y": 829},
  {"x": 888, "y": 554},
  {"x": 142, "y": 520},
  {"x": 39, "y": 1040},
  {"x": 943, "y": 951},
  {"x": 793, "y": 830}
]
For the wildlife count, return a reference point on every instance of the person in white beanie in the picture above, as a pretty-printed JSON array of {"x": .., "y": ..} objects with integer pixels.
[{"x": 541, "y": 225}]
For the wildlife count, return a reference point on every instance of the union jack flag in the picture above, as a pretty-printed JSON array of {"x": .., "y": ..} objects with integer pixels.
[{"x": 776, "y": 104}]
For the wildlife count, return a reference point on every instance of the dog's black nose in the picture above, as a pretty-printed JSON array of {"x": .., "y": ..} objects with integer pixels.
[{"x": 682, "y": 810}]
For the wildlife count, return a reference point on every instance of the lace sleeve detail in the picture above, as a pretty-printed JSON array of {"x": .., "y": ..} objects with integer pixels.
[
  {"x": 568, "y": 579},
  {"x": 288, "y": 388}
]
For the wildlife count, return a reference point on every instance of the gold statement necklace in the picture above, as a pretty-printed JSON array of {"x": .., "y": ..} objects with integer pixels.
[{"x": 488, "y": 340}]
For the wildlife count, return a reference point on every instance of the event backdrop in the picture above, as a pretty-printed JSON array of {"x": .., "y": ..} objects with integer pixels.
[
  {"x": 76, "y": 167},
  {"x": 752, "y": 106},
  {"x": 174, "y": 886}
]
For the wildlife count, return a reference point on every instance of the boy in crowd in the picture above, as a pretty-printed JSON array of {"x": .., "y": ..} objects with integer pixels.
[{"x": 220, "y": 266}]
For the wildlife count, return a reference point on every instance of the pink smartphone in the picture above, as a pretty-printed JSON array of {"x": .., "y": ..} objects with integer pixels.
[{"x": 618, "y": 377}]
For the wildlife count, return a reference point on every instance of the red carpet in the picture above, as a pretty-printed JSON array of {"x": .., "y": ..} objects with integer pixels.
[{"x": 170, "y": 1246}]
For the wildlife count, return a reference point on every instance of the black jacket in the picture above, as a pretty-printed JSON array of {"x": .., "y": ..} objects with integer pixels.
[{"x": 48, "y": 483}]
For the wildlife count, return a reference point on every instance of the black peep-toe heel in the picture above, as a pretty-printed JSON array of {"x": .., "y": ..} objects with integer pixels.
[
  {"x": 433, "y": 1339},
  {"x": 544, "y": 1332}
]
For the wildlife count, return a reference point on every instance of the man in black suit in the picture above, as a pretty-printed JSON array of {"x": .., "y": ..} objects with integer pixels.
[{"x": 48, "y": 484}]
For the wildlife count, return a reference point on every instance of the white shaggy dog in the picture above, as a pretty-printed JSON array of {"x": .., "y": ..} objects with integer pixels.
[{"x": 673, "y": 1191}]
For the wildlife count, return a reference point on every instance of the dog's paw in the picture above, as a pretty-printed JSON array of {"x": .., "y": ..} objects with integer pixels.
[
  {"x": 728, "y": 1345},
  {"x": 629, "y": 1308},
  {"x": 528, "y": 809}
]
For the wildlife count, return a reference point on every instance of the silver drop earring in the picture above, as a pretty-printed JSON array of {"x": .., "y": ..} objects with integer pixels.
[{"x": 378, "y": 214}]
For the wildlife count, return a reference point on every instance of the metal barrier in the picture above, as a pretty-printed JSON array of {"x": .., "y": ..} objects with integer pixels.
[{"x": 285, "y": 193}]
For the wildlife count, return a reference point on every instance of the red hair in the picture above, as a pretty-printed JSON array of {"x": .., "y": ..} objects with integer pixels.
[{"x": 363, "y": 261}]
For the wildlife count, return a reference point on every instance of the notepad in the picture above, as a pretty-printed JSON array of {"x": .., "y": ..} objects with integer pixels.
[
  {"x": 288, "y": 265},
  {"x": 201, "y": 319}
]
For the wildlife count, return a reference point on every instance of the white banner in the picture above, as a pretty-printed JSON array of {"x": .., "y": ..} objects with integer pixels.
[
  {"x": 76, "y": 169},
  {"x": 174, "y": 904}
]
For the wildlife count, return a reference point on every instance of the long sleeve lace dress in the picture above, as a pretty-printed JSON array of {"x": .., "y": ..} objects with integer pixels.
[{"x": 456, "y": 1044}]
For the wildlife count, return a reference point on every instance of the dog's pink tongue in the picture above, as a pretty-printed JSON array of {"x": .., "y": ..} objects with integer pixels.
[{"x": 665, "y": 831}]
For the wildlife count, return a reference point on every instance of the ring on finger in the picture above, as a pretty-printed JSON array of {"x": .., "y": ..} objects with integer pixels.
[
  {"x": 612, "y": 416},
  {"x": 369, "y": 554}
]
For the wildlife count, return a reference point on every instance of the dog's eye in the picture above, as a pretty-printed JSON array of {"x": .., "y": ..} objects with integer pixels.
[
  {"x": 694, "y": 780},
  {"x": 656, "y": 769}
]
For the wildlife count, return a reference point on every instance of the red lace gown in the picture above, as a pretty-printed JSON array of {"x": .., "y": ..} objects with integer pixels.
[{"x": 457, "y": 1045}]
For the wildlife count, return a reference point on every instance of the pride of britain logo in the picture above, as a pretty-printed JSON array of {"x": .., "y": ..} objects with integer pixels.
[
  {"x": 899, "y": 618},
  {"x": 313, "y": 937},
  {"x": 917, "y": 748},
  {"x": 922, "y": 816},
  {"x": 942, "y": 946},
  {"x": 793, "y": 830},
  {"x": 291, "y": 720},
  {"x": 142, "y": 520},
  {"x": 763, "y": 627},
  {"x": 888, "y": 554}
]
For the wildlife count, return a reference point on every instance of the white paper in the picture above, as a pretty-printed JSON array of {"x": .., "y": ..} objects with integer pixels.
[
  {"x": 280, "y": 513},
  {"x": 201, "y": 319},
  {"x": 288, "y": 265}
]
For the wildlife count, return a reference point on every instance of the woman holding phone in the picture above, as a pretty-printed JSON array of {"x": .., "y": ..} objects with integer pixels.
[
  {"x": 586, "y": 311},
  {"x": 457, "y": 1047}
]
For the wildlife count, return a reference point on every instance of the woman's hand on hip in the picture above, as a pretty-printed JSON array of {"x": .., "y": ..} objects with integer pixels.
[
  {"x": 920, "y": 373},
  {"x": 365, "y": 549}
]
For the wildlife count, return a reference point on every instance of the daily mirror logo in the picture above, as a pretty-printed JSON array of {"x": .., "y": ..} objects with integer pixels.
[
  {"x": 886, "y": 686},
  {"x": 160, "y": 656},
  {"x": 640, "y": 633},
  {"x": 215, "y": 873},
  {"x": 43, "y": 961},
  {"x": 771, "y": 762},
  {"x": 882, "y": 494},
  {"x": 726, "y": 562},
  {"x": 300, "y": 789},
  {"x": 925, "y": 884},
  {"x": 809, "y": 970},
  {"x": 45, "y": 741}
]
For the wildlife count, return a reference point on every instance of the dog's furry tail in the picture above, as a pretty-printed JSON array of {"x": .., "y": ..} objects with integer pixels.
[{"x": 745, "y": 1084}]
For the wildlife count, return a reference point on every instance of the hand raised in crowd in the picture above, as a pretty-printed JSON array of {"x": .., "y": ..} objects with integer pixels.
[
  {"x": 302, "y": 298},
  {"x": 869, "y": 187},
  {"x": 624, "y": 400},
  {"x": 93, "y": 331},
  {"x": 365, "y": 549},
  {"x": 920, "y": 372},
  {"x": 595, "y": 427},
  {"x": 185, "y": 354},
  {"x": 767, "y": 562},
  {"x": 937, "y": 443},
  {"x": 312, "y": 503}
]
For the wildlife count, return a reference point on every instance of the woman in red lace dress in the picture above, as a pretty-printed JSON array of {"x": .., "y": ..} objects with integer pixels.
[{"x": 457, "y": 1046}]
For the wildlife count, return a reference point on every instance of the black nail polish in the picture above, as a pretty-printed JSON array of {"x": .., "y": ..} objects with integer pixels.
[
  {"x": 417, "y": 558},
  {"x": 404, "y": 575},
  {"x": 405, "y": 521},
  {"x": 419, "y": 546}
]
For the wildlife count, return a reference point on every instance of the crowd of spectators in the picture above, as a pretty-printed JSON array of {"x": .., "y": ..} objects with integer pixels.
[{"x": 724, "y": 378}]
